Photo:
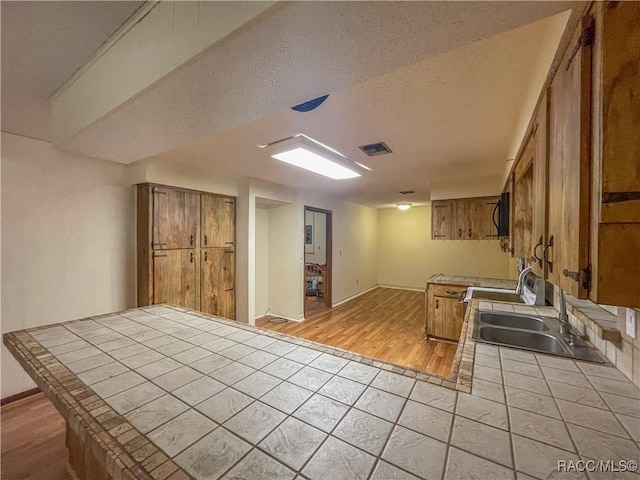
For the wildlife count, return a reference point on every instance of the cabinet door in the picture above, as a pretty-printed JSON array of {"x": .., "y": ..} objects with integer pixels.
[
  {"x": 218, "y": 282},
  {"x": 539, "y": 194},
  {"x": 218, "y": 221},
  {"x": 174, "y": 278},
  {"x": 569, "y": 161},
  {"x": 481, "y": 212},
  {"x": 461, "y": 229},
  {"x": 441, "y": 217},
  {"x": 448, "y": 316},
  {"x": 523, "y": 202},
  {"x": 175, "y": 218}
]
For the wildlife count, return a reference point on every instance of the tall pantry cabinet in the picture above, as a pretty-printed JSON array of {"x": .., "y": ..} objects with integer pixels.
[{"x": 186, "y": 249}]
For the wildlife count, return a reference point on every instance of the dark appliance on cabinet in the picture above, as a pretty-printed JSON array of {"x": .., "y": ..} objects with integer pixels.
[{"x": 501, "y": 215}]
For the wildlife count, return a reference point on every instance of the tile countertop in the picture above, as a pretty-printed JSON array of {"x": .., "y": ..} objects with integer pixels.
[
  {"x": 168, "y": 393},
  {"x": 473, "y": 281}
]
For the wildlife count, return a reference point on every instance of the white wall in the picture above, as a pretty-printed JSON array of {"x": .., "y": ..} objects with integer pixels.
[
  {"x": 262, "y": 261},
  {"x": 407, "y": 256},
  {"x": 68, "y": 245}
]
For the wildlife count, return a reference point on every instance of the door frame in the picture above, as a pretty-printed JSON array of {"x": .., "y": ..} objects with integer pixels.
[{"x": 328, "y": 253}]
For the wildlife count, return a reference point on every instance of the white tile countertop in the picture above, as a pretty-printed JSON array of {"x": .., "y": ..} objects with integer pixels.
[{"x": 178, "y": 394}]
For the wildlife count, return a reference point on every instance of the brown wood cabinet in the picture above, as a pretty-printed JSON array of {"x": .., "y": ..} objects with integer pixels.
[
  {"x": 464, "y": 219},
  {"x": 445, "y": 312},
  {"x": 174, "y": 264}
]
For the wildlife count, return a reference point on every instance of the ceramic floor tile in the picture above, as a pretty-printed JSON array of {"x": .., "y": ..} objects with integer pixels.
[
  {"x": 237, "y": 351},
  {"x": 566, "y": 377},
  {"x": 210, "y": 363},
  {"x": 177, "y": 378},
  {"x": 255, "y": 422},
  {"x": 540, "y": 460},
  {"x": 90, "y": 363},
  {"x": 192, "y": 355},
  {"x": 483, "y": 440},
  {"x": 632, "y": 425},
  {"x": 199, "y": 390},
  {"x": 104, "y": 372},
  {"x": 175, "y": 347},
  {"x": 489, "y": 390},
  {"x": 593, "y": 370},
  {"x": 223, "y": 330},
  {"x": 541, "y": 428},
  {"x": 286, "y": 397},
  {"x": 303, "y": 355},
  {"x": 336, "y": 459},
  {"x": 329, "y": 363},
  {"x": 626, "y": 389},
  {"x": 487, "y": 350},
  {"x": 293, "y": 442},
  {"x": 584, "y": 396},
  {"x": 117, "y": 384},
  {"x": 202, "y": 338},
  {"x": 186, "y": 333},
  {"x": 279, "y": 347},
  {"x": 68, "y": 347},
  {"x": 359, "y": 372},
  {"x": 465, "y": 466},
  {"x": 595, "y": 418},
  {"x": 427, "y": 420},
  {"x": 559, "y": 363},
  {"x": 310, "y": 378},
  {"x": 181, "y": 432},
  {"x": 487, "y": 373},
  {"x": 487, "y": 361},
  {"x": 406, "y": 449},
  {"x": 434, "y": 395},
  {"x": 141, "y": 359},
  {"x": 321, "y": 412},
  {"x": 482, "y": 410},
  {"x": 241, "y": 335},
  {"x": 532, "y": 402},
  {"x": 601, "y": 445},
  {"x": 130, "y": 351},
  {"x": 386, "y": 471},
  {"x": 43, "y": 335},
  {"x": 224, "y": 405},
  {"x": 75, "y": 355},
  {"x": 257, "y": 384},
  {"x": 134, "y": 397},
  {"x": 282, "y": 368},
  {"x": 258, "y": 466},
  {"x": 393, "y": 383},
  {"x": 155, "y": 369},
  {"x": 381, "y": 404},
  {"x": 624, "y": 405},
  {"x": 155, "y": 413},
  {"x": 231, "y": 373},
  {"x": 218, "y": 345},
  {"x": 213, "y": 455},
  {"x": 364, "y": 431},
  {"x": 343, "y": 390},
  {"x": 157, "y": 342},
  {"x": 518, "y": 355},
  {"x": 61, "y": 339},
  {"x": 259, "y": 341},
  {"x": 258, "y": 359},
  {"x": 147, "y": 334},
  {"x": 521, "y": 367},
  {"x": 525, "y": 382}
]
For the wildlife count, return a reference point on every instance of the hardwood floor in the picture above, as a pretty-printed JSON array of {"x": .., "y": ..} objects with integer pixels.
[
  {"x": 385, "y": 323},
  {"x": 33, "y": 445}
]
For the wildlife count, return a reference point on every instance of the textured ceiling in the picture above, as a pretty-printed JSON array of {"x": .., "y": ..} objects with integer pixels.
[{"x": 43, "y": 43}]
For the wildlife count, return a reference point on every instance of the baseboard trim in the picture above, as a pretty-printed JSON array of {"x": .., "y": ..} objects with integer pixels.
[
  {"x": 395, "y": 287},
  {"x": 352, "y": 296},
  {"x": 19, "y": 396},
  {"x": 301, "y": 319}
]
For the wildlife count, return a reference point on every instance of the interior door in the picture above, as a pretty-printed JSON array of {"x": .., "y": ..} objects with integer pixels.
[
  {"x": 218, "y": 221},
  {"x": 218, "y": 282},
  {"x": 174, "y": 277},
  {"x": 175, "y": 218}
]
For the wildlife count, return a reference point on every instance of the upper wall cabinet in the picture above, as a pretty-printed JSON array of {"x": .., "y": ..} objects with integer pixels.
[
  {"x": 218, "y": 221},
  {"x": 464, "y": 219},
  {"x": 175, "y": 218}
]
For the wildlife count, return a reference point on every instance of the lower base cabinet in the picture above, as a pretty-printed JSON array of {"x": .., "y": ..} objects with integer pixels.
[
  {"x": 445, "y": 312},
  {"x": 175, "y": 278},
  {"x": 218, "y": 284}
]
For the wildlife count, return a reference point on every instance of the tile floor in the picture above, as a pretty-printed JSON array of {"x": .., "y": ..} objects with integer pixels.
[{"x": 229, "y": 401}]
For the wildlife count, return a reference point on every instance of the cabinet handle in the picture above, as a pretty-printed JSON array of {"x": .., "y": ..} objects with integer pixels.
[
  {"x": 191, "y": 257},
  {"x": 228, "y": 251},
  {"x": 191, "y": 239},
  {"x": 460, "y": 233},
  {"x": 535, "y": 251},
  {"x": 155, "y": 255},
  {"x": 229, "y": 290},
  {"x": 205, "y": 239},
  {"x": 205, "y": 256},
  {"x": 544, "y": 254},
  {"x": 469, "y": 233},
  {"x": 437, "y": 304},
  {"x": 228, "y": 243},
  {"x": 439, "y": 236},
  {"x": 155, "y": 191},
  {"x": 158, "y": 244}
]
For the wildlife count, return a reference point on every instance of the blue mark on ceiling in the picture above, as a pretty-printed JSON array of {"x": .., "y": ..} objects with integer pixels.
[{"x": 310, "y": 105}]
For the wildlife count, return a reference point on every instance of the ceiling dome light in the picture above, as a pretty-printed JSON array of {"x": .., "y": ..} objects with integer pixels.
[{"x": 404, "y": 205}]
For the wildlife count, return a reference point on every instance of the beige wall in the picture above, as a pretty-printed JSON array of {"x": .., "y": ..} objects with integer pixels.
[
  {"x": 262, "y": 261},
  {"x": 316, "y": 253},
  {"x": 67, "y": 241},
  {"x": 407, "y": 256}
]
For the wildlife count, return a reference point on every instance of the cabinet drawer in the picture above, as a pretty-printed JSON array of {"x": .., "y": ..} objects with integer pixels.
[{"x": 446, "y": 290}]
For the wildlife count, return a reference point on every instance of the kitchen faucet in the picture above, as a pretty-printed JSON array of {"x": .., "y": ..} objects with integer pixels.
[
  {"x": 565, "y": 326},
  {"x": 523, "y": 274}
]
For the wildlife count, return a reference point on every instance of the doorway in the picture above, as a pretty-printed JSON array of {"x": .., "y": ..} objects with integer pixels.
[{"x": 318, "y": 228}]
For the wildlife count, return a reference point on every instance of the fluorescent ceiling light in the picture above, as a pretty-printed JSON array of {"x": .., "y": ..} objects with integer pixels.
[
  {"x": 306, "y": 153},
  {"x": 404, "y": 205}
]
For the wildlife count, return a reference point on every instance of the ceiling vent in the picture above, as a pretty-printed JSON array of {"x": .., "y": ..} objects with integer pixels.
[
  {"x": 374, "y": 149},
  {"x": 406, "y": 192}
]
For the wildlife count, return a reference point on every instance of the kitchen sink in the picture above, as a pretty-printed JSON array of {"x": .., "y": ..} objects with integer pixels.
[
  {"x": 513, "y": 320},
  {"x": 496, "y": 296},
  {"x": 529, "y": 332}
]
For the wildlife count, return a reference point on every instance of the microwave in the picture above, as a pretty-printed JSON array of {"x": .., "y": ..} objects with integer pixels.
[{"x": 501, "y": 215}]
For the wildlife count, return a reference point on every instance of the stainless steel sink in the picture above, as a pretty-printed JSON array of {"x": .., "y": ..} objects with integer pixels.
[
  {"x": 529, "y": 332},
  {"x": 513, "y": 320},
  {"x": 496, "y": 296}
]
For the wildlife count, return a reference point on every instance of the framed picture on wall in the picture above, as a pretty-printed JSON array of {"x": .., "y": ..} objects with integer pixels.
[{"x": 308, "y": 238}]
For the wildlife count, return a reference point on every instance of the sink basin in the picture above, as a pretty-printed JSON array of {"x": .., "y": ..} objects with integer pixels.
[
  {"x": 496, "y": 296},
  {"x": 513, "y": 320},
  {"x": 542, "y": 342}
]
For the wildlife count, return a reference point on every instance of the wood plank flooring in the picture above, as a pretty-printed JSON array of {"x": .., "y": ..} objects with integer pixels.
[
  {"x": 385, "y": 323},
  {"x": 33, "y": 445}
]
